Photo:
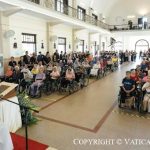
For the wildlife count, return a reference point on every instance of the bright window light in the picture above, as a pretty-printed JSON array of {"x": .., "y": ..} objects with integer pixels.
[{"x": 131, "y": 17}]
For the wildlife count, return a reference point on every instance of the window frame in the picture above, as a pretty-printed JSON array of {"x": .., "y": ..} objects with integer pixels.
[
  {"x": 65, "y": 42},
  {"x": 81, "y": 13},
  {"x": 25, "y": 41}
]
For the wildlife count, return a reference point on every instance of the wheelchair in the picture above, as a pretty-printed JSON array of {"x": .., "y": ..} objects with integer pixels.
[
  {"x": 100, "y": 73},
  {"x": 84, "y": 80},
  {"x": 115, "y": 67},
  {"x": 121, "y": 97},
  {"x": 138, "y": 98},
  {"x": 67, "y": 86},
  {"x": 24, "y": 86}
]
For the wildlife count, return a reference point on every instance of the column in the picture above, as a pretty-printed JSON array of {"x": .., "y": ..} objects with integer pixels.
[
  {"x": 89, "y": 43},
  {"x": 4, "y": 42},
  {"x": 100, "y": 43},
  {"x": 73, "y": 41}
]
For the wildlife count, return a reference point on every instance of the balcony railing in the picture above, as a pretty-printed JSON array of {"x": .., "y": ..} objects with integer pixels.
[
  {"x": 126, "y": 27},
  {"x": 70, "y": 11},
  {"x": 74, "y": 13}
]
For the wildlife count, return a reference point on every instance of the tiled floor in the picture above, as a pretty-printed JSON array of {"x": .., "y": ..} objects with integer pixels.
[{"x": 90, "y": 113}]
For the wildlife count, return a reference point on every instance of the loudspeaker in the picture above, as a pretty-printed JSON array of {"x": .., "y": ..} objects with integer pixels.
[{"x": 140, "y": 21}]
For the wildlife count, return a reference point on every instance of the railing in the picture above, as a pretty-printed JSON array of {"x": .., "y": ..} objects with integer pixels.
[
  {"x": 126, "y": 27},
  {"x": 74, "y": 13},
  {"x": 70, "y": 11}
]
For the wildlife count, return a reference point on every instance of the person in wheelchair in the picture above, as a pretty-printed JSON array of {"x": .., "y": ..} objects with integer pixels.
[
  {"x": 35, "y": 70},
  {"x": 146, "y": 100},
  {"x": 54, "y": 77},
  {"x": 70, "y": 76},
  {"x": 87, "y": 66},
  {"x": 8, "y": 75},
  {"x": 109, "y": 63},
  {"x": 39, "y": 81},
  {"x": 95, "y": 69},
  {"x": 115, "y": 61},
  {"x": 128, "y": 90},
  {"x": 16, "y": 77},
  {"x": 26, "y": 78}
]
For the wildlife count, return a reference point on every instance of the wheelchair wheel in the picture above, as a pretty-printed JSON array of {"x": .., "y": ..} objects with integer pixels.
[
  {"x": 119, "y": 101},
  {"x": 75, "y": 86},
  {"x": 39, "y": 95},
  {"x": 86, "y": 81},
  {"x": 99, "y": 75}
]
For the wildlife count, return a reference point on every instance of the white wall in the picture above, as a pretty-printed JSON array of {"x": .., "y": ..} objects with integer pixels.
[
  {"x": 21, "y": 23},
  {"x": 63, "y": 31},
  {"x": 83, "y": 35},
  {"x": 130, "y": 38},
  {"x": 94, "y": 38}
]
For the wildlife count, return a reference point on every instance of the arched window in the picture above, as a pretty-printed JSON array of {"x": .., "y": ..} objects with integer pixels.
[{"x": 141, "y": 45}]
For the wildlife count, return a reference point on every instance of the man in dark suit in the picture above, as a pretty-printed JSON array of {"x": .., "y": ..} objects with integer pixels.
[
  {"x": 26, "y": 58},
  {"x": 56, "y": 56},
  {"x": 12, "y": 62}
]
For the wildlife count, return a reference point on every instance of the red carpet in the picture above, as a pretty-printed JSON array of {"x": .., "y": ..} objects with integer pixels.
[{"x": 19, "y": 143}]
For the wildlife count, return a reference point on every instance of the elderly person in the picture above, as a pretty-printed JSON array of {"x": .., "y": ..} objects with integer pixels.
[
  {"x": 55, "y": 73},
  {"x": 27, "y": 77},
  {"x": 54, "y": 76},
  {"x": 39, "y": 81},
  {"x": 146, "y": 101},
  {"x": 94, "y": 70},
  {"x": 70, "y": 75},
  {"x": 16, "y": 75}
]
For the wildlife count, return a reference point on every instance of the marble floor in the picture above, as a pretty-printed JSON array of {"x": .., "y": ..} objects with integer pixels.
[{"x": 90, "y": 119}]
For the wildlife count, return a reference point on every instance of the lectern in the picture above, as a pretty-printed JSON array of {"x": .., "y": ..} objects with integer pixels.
[
  {"x": 9, "y": 113},
  {"x": 7, "y": 90}
]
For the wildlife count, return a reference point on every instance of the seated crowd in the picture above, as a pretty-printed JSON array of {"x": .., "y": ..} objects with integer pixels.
[
  {"x": 138, "y": 78},
  {"x": 35, "y": 70}
]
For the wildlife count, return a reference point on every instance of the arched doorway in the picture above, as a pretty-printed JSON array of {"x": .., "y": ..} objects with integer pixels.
[{"x": 141, "y": 45}]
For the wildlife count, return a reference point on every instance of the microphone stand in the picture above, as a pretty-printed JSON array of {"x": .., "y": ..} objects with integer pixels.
[{"x": 26, "y": 108}]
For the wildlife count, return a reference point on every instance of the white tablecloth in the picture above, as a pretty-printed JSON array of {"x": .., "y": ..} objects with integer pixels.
[
  {"x": 10, "y": 114},
  {"x": 5, "y": 138}
]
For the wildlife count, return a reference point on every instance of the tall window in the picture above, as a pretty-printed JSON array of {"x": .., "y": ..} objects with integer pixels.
[
  {"x": 35, "y": 1},
  {"x": 29, "y": 42},
  {"x": 61, "y": 6},
  {"x": 95, "y": 18},
  {"x": 61, "y": 44},
  {"x": 81, "y": 13},
  {"x": 81, "y": 46}
]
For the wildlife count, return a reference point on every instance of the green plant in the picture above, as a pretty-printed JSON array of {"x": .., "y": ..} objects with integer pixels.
[{"x": 24, "y": 100}]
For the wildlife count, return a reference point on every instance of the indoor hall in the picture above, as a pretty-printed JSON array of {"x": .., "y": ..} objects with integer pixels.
[{"x": 74, "y": 75}]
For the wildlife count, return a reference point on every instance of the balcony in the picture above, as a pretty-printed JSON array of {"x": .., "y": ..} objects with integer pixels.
[
  {"x": 70, "y": 11},
  {"x": 127, "y": 27}
]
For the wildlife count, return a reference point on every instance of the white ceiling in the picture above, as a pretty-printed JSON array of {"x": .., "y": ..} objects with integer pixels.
[{"x": 118, "y": 8}]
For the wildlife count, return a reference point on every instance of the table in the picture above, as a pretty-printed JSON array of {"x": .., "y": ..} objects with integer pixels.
[
  {"x": 5, "y": 138},
  {"x": 10, "y": 114}
]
